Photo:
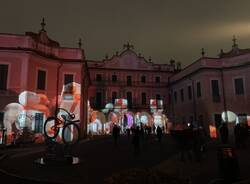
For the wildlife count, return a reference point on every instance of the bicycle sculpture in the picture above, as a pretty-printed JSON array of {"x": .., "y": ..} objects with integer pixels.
[
  {"x": 70, "y": 130},
  {"x": 62, "y": 125}
]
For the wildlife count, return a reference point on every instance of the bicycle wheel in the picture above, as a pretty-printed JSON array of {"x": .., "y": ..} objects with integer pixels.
[
  {"x": 70, "y": 133},
  {"x": 51, "y": 129}
]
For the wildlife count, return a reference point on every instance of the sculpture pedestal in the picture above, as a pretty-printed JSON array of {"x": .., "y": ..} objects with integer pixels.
[{"x": 58, "y": 154}]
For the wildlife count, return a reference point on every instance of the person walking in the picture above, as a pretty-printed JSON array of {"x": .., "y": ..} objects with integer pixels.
[
  {"x": 159, "y": 133},
  {"x": 115, "y": 133},
  {"x": 237, "y": 135},
  {"x": 136, "y": 140},
  {"x": 224, "y": 133}
]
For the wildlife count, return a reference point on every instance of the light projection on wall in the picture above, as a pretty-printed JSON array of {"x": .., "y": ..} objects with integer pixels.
[
  {"x": 97, "y": 119},
  {"x": 121, "y": 105},
  {"x": 32, "y": 109},
  {"x": 228, "y": 116},
  {"x": 156, "y": 105},
  {"x": 70, "y": 98},
  {"x": 212, "y": 131}
]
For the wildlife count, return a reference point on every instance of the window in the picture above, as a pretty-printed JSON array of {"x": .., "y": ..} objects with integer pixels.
[
  {"x": 129, "y": 98},
  {"x": 198, "y": 85},
  {"x": 98, "y": 77},
  {"x": 239, "y": 86},
  {"x": 39, "y": 123},
  {"x": 157, "y": 79},
  {"x": 41, "y": 80},
  {"x": 143, "y": 79},
  {"x": 114, "y": 78},
  {"x": 98, "y": 101},
  {"x": 114, "y": 96},
  {"x": 3, "y": 77},
  {"x": 129, "y": 80},
  {"x": 143, "y": 99},
  {"x": 182, "y": 95},
  {"x": 215, "y": 90},
  {"x": 68, "y": 78},
  {"x": 175, "y": 97},
  {"x": 189, "y": 93}
]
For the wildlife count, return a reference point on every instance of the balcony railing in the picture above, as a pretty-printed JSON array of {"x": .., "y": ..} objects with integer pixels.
[{"x": 133, "y": 83}]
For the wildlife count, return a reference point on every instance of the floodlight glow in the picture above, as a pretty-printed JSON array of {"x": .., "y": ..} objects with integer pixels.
[{"x": 231, "y": 116}]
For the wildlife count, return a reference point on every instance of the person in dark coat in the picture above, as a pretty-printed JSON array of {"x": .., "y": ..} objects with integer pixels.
[
  {"x": 159, "y": 133},
  {"x": 224, "y": 133},
  {"x": 136, "y": 140},
  {"x": 115, "y": 133},
  {"x": 237, "y": 135}
]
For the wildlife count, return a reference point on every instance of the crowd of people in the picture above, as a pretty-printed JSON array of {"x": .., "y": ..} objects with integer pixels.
[
  {"x": 241, "y": 132},
  {"x": 138, "y": 133},
  {"x": 191, "y": 141}
]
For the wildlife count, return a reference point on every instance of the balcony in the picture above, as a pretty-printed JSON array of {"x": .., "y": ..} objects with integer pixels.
[{"x": 132, "y": 84}]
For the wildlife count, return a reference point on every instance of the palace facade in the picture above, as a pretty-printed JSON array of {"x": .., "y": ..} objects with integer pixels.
[
  {"x": 202, "y": 91},
  {"x": 130, "y": 76},
  {"x": 35, "y": 73}
]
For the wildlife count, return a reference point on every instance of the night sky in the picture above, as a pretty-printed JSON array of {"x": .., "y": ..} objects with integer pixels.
[{"x": 162, "y": 29}]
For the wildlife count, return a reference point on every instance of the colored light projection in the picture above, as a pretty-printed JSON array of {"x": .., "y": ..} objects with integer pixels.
[
  {"x": 33, "y": 109},
  {"x": 156, "y": 105},
  {"x": 144, "y": 118},
  {"x": 70, "y": 98},
  {"x": 213, "y": 131},
  {"x": 121, "y": 105},
  {"x": 228, "y": 116},
  {"x": 96, "y": 124},
  {"x": 128, "y": 120}
]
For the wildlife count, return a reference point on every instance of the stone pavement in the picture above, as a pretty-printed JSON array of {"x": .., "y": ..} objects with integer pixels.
[
  {"x": 161, "y": 159},
  {"x": 99, "y": 159},
  {"x": 207, "y": 170}
]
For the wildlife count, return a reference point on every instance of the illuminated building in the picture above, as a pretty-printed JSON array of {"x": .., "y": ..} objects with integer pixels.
[
  {"x": 37, "y": 74},
  {"x": 34, "y": 70},
  {"x": 130, "y": 76},
  {"x": 209, "y": 86}
]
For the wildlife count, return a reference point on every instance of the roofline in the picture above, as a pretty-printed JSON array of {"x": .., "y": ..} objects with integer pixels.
[
  {"x": 37, "y": 52},
  {"x": 209, "y": 68}
]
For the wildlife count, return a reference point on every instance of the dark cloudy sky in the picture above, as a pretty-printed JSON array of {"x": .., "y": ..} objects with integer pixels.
[{"x": 162, "y": 29}]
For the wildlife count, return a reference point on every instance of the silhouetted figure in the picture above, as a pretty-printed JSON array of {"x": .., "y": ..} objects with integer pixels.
[
  {"x": 244, "y": 130},
  {"x": 116, "y": 132},
  {"x": 149, "y": 130},
  {"x": 136, "y": 140},
  {"x": 159, "y": 133},
  {"x": 183, "y": 139},
  {"x": 15, "y": 132},
  {"x": 142, "y": 131},
  {"x": 238, "y": 135},
  {"x": 154, "y": 129},
  {"x": 224, "y": 133},
  {"x": 198, "y": 142},
  {"x": 125, "y": 121},
  {"x": 128, "y": 132}
]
